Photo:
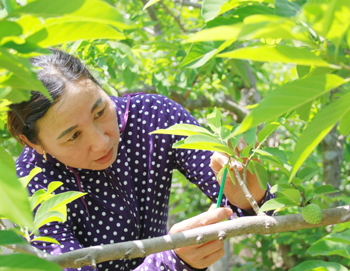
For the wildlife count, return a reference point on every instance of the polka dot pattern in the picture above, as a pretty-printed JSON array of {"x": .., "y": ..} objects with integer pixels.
[{"x": 130, "y": 199}]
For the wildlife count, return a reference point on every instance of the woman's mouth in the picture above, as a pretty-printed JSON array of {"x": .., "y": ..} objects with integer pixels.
[{"x": 105, "y": 159}]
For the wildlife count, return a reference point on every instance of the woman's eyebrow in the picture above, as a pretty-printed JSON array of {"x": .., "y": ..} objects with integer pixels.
[
  {"x": 67, "y": 131},
  {"x": 96, "y": 104}
]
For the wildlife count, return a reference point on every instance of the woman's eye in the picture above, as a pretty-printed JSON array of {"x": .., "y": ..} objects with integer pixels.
[
  {"x": 75, "y": 136},
  {"x": 100, "y": 113}
]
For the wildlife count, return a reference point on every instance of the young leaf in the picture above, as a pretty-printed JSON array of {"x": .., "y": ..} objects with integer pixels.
[
  {"x": 47, "y": 217},
  {"x": 250, "y": 137},
  {"x": 276, "y": 204},
  {"x": 261, "y": 174},
  {"x": 307, "y": 173},
  {"x": 289, "y": 97},
  {"x": 203, "y": 142},
  {"x": 25, "y": 180},
  {"x": 318, "y": 128},
  {"x": 267, "y": 131},
  {"x": 214, "y": 120},
  {"x": 150, "y": 3},
  {"x": 57, "y": 201},
  {"x": 183, "y": 130},
  {"x": 324, "y": 189},
  {"x": 45, "y": 239},
  {"x": 292, "y": 194}
]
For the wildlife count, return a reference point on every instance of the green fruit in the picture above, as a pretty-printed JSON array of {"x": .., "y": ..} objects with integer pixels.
[{"x": 312, "y": 213}]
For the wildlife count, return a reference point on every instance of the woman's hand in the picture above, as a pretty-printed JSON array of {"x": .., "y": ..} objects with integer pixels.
[
  {"x": 201, "y": 256},
  {"x": 233, "y": 192}
]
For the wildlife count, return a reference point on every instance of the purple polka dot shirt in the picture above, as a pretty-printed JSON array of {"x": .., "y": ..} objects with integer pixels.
[{"x": 129, "y": 200}]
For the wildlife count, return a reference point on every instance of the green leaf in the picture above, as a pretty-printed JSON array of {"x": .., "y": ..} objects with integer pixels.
[
  {"x": 61, "y": 30},
  {"x": 21, "y": 262},
  {"x": 261, "y": 174},
  {"x": 327, "y": 247},
  {"x": 313, "y": 265},
  {"x": 304, "y": 111},
  {"x": 214, "y": 120},
  {"x": 47, "y": 217},
  {"x": 25, "y": 180},
  {"x": 203, "y": 142},
  {"x": 183, "y": 130},
  {"x": 250, "y": 137},
  {"x": 276, "y": 204},
  {"x": 8, "y": 28},
  {"x": 9, "y": 238},
  {"x": 324, "y": 189},
  {"x": 278, "y": 53},
  {"x": 307, "y": 173},
  {"x": 14, "y": 202},
  {"x": 344, "y": 124},
  {"x": 254, "y": 27},
  {"x": 21, "y": 68},
  {"x": 150, "y": 3},
  {"x": 211, "y": 8},
  {"x": 79, "y": 10},
  {"x": 293, "y": 194},
  {"x": 343, "y": 237},
  {"x": 289, "y": 97},
  {"x": 45, "y": 239},
  {"x": 318, "y": 128},
  {"x": 200, "y": 53},
  {"x": 267, "y": 131},
  {"x": 57, "y": 201},
  {"x": 286, "y": 8}
]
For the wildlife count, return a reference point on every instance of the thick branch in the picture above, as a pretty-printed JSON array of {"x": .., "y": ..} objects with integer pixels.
[
  {"x": 201, "y": 102},
  {"x": 27, "y": 249},
  {"x": 153, "y": 15},
  {"x": 244, "y": 225}
]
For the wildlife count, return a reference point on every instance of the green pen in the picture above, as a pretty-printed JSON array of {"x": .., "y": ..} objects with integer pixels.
[{"x": 221, "y": 188}]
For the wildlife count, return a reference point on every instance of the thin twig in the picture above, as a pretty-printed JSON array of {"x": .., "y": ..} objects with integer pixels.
[
  {"x": 172, "y": 15},
  {"x": 27, "y": 249},
  {"x": 301, "y": 193},
  {"x": 245, "y": 190},
  {"x": 2, "y": 225}
]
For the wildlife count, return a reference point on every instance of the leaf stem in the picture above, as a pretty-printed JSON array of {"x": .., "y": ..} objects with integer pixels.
[{"x": 222, "y": 188}]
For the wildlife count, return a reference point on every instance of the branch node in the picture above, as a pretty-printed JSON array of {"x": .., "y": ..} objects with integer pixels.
[
  {"x": 222, "y": 235},
  {"x": 93, "y": 263},
  {"x": 199, "y": 239},
  {"x": 81, "y": 261},
  {"x": 267, "y": 225}
]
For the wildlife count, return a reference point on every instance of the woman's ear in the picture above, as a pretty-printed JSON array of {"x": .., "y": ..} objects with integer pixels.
[{"x": 37, "y": 147}]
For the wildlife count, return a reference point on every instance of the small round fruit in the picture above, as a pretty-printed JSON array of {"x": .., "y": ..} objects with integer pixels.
[{"x": 312, "y": 213}]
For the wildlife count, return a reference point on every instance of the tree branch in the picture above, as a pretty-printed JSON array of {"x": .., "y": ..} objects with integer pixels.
[
  {"x": 226, "y": 102},
  {"x": 244, "y": 225},
  {"x": 153, "y": 15},
  {"x": 172, "y": 15},
  {"x": 27, "y": 249}
]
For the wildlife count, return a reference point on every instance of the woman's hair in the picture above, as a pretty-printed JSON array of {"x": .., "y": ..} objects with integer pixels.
[{"x": 56, "y": 71}]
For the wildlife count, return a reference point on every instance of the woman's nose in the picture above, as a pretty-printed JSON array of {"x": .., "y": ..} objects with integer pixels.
[{"x": 99, "y": 140}]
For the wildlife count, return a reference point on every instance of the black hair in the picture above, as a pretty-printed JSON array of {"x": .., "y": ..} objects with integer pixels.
[{"x": 56, "y": 70}]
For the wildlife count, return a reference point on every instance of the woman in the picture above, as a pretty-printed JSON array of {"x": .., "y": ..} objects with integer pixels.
[{"x": 101, "y": 145}]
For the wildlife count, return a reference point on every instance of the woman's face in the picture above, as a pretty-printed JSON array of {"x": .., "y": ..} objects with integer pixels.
[{"x": 81, "y": 130}]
